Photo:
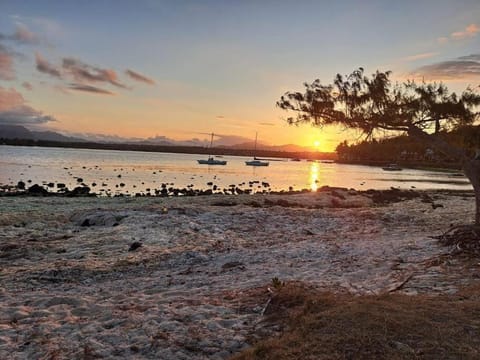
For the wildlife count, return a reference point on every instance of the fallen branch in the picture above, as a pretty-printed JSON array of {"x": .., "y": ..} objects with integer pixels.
[{"x": 402, "y": 284}]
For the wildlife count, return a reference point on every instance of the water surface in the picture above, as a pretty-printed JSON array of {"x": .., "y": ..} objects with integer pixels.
[{"x": 130, "y": 172}]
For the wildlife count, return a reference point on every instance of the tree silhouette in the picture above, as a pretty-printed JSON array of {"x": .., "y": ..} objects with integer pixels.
[{"x": 374, "y": 105}]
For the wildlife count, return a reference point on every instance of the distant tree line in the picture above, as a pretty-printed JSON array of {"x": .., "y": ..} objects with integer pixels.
[
  {"x": 406, "y": 149},
  {"x": 168, "y": 149}
]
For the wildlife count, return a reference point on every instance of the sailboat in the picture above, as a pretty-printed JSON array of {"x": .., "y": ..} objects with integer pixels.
[
  {"x": 255, "y": 161},
  {"x": 211, "y": 160}
]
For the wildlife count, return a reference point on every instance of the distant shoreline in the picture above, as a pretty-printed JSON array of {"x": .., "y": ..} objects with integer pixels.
[
  {"x": 306, "y": 155},
  {"x": 172, "y": 149}
]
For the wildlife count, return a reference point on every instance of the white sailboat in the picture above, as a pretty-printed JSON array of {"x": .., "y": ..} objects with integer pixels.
[
  {"x": 255, "y": 161},
  {"x": 211, "y": 160}
]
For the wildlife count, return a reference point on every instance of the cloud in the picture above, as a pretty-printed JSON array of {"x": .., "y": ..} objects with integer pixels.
[
  {"x": 23, "y": 35},
  {"x": 24, "y": 115},
  {"x": 84, "y": 73},
  {"x": 267, "y": 124},
  {"x": 13, "y": 110},
  {"x": 44, "y": 66},
  {"x": 6, "y": 64},
  {"x": 90, "y": 89},
  {"x": 138, "y": 77},
  {"x": 470, "y": 31},
  {"x": 464, "y": 67},
  {"x": 10, "y": 98},
  {"x": 27, "y": 86},
  {"x": 442, "y": 40},
  {"x": 420, "y": 56}
]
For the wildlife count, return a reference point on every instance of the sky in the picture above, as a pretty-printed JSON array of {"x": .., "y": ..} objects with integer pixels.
[{"x": 181, "y": 69}]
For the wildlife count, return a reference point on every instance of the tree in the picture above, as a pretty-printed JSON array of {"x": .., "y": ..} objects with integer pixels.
[{"x": 375, "y": 105}]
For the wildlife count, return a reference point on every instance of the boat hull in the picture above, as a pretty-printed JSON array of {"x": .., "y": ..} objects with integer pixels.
[
  {"x": 212, "y": 162},
  {"x": 256, "y": 163}
]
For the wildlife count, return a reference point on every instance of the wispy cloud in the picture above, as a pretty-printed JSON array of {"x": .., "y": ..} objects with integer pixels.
[
  {"x": 139, "y": 77},
  {"x": 7, "y": 71},
  {"x": 24, "y": 35},
  {"x": 90, "y": 89},
  {"x": 13, "y": 110},
  {"x": 469, "y": 32},
  {"x": 44, "y": 66},
  {"x": 84, "y": 76},
  {"x": 420, "y": 56},
  {"x": 464, "y": 67},
  {"x": 84, "y": 73}
]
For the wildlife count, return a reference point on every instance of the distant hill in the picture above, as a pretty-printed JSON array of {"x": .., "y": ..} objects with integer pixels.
[
  {"x": 17, "y": 132},
  {"x": 21, "y": 132}
]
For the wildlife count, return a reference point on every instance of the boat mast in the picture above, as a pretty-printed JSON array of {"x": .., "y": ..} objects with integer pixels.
[
  {"x": 255, "y": 148},
  {"x": 211, "y": 144}
]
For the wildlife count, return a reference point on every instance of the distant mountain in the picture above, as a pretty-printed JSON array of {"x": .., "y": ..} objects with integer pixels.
[
  {"x": 21, "y": 132},
  {"x": 15, "y": 132},
  {"x": 224, "y": 142}
]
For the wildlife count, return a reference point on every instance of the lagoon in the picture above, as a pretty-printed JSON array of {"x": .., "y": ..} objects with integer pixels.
[{"x": 129, "y": 172}]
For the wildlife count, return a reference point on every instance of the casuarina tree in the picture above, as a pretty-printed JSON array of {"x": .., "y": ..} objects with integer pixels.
[{"x": 375, "y": 105}]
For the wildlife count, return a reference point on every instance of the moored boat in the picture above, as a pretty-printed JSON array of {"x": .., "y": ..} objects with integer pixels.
[
  {"x": 211, "y": 160},
  {"x": 255, "y": 161}
]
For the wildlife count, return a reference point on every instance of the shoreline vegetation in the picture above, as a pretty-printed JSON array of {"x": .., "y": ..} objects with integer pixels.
[{"x": 330, "y": 274}]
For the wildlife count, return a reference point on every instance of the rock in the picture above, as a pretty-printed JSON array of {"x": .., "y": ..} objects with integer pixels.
[
  {"x": 79, "y": 190},
  {"x": 37, "y": 190},
  {"x": 134, "y": 246},
  {"x": 61, "y": 185},
  {"x": 21, "y": 185}
]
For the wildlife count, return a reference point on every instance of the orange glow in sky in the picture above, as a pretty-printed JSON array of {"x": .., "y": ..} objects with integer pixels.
[{"x": 178, "y": 70}]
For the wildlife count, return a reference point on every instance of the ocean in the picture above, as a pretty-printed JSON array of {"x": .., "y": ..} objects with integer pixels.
[{"x": 130, "y": 172}]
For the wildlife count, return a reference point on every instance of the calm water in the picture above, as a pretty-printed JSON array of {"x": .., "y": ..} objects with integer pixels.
[{"x": 141, "y": 170}]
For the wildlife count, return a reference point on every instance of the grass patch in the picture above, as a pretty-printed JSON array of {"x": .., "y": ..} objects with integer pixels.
[{"x": 322, "y": 325}]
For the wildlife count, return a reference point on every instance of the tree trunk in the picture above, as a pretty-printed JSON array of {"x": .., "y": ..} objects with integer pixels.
[{"x": 472, "y": 172}]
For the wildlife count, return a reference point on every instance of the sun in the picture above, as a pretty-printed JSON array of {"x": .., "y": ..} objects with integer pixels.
[{"x": 316, "y": 144}]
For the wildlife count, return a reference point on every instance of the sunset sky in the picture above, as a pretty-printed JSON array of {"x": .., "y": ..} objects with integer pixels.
[{"x": 182, "y": 68}]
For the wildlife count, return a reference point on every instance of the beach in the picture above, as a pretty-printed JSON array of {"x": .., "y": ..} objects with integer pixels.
[{"x": 190, "y": 277}]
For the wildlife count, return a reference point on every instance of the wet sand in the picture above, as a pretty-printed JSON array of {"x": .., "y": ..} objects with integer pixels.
[{"x": 196, "y": 286}]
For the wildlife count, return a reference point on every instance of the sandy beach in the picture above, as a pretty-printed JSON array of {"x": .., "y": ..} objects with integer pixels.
[{"x": 189, "y": 278}]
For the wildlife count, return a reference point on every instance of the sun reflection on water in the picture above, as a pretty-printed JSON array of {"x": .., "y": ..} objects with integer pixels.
[{"x": 314, "y": 173}]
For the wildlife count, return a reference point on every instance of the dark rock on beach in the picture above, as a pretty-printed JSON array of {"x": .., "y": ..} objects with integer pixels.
[
  {"x": 134, "y": 246},
  {"x": 36, "y": 189}
]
